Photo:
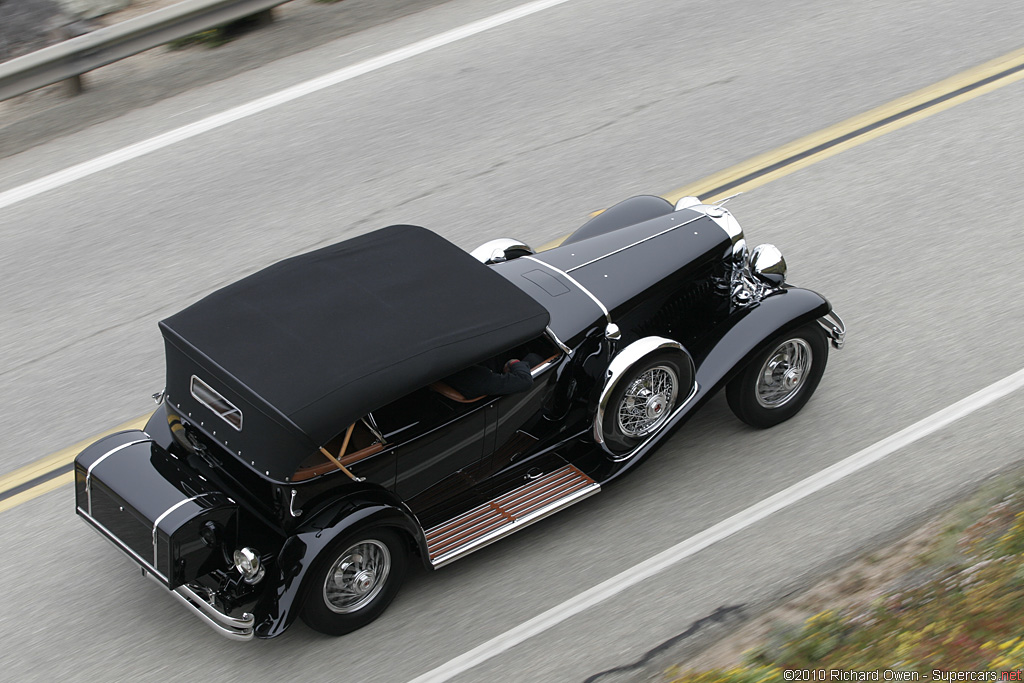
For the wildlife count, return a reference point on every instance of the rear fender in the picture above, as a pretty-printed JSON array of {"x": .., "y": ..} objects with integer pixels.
[{"x": 283, "y": 596}]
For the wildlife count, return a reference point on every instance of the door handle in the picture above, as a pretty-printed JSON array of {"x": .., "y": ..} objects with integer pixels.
[{"x": 533, "y": 473}]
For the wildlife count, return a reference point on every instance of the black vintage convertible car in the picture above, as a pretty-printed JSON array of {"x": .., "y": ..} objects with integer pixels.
[{"x": 310, "y": 444}]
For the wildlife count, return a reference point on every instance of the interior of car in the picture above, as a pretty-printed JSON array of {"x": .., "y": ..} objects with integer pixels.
[{"x": 421, "y": 409}]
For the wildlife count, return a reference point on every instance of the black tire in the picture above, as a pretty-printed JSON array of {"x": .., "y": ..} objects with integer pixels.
[
  {"x": 763, "y": 394},
  {"x": 331, "y": 612},
  {"x": 630, "y": 418}
]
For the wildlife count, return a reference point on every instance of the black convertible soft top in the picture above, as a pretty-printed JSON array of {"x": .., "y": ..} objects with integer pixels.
[{"x": 316, "y": 341}]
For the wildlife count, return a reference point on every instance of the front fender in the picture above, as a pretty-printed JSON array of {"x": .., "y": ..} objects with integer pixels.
[
  {"x": 282, "y": 597},
  {"x": 743, "y": 336},
  {"x": 777, "y": 314}
]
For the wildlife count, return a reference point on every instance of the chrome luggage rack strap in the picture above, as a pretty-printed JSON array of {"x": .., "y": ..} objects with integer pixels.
[
  {"x": 88, "y": 472},
  {"x": 835, "y": 327}
]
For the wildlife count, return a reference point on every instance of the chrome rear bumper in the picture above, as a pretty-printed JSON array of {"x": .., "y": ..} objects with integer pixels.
[{"x": 234, "y": 628}]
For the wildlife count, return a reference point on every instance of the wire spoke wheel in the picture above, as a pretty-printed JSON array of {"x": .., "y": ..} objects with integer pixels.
[
  {"x": 648, "y": 401},
  {"x": 357, "y": 576},
  {"x": 783, "y": 373}
]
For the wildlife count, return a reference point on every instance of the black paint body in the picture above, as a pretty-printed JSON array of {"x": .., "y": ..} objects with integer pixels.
[{"x": 667, "y": 276}]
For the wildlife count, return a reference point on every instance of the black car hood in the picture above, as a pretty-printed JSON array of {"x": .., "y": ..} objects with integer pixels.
[{"x": 579, "y": 282}]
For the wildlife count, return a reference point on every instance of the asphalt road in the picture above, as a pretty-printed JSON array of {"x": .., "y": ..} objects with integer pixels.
[{"x": 521, "y": 131}]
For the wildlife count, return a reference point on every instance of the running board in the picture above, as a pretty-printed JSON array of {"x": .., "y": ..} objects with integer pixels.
[{"x": 507, "y": 514}]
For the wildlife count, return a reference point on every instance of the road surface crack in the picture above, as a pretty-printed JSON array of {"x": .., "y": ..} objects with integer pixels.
[{"x": 720, "y": 615}]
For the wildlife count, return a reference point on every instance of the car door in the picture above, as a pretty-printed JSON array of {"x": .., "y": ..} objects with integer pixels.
[
  {"x": 521, "y": 432},
  {"x": 439, "y": 456}
]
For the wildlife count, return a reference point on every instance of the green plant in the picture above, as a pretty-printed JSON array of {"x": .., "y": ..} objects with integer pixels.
[{"x": 966, "y": 617}]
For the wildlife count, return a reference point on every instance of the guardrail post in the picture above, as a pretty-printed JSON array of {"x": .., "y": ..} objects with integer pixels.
[{"x": 75, "y": 84}]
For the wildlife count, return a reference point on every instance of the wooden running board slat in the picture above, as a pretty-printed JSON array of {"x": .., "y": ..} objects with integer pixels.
[
  {"x": 507, "y": 514},
  {"x": 488, "y": 509}
]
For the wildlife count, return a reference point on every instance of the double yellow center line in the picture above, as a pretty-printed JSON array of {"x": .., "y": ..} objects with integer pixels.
[
  {"x": 51, "y": 472},
  {"x": 819, "y": 146},
  {"x": 55, "y": 470}
]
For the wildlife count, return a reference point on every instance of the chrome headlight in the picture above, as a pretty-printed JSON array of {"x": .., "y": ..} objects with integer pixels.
[
  {"x": 248, "y": 564},
  {"x": 767, "y": 263}
]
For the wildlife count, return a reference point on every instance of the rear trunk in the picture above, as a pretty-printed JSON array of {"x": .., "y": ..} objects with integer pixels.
[{"x": 160, "y": 512}]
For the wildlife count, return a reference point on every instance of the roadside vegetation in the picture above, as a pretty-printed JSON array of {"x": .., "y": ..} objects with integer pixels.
[
  {"x": 215, "y": 37},
  {"x": 958, "y": 607}
]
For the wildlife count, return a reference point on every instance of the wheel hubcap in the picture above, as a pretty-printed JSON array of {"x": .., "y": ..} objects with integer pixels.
[
  {"x": 357, "y": 576},
  {"x": 647, "y": 402},
  {"x": 783, "y": 373},
  {"x": 363, "y": 582},
  {"x": 655, "y": 405}
]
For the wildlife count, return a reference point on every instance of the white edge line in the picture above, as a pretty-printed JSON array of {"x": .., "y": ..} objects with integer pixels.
[
  {"x": 120, "y": 156},
  {"x": 722, "y": 530}
]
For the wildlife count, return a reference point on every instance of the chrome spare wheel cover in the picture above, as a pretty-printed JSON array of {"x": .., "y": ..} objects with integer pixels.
[
  {"x": 648, "y": 401},
  {"x": 357, "y": 576},
  {"x": 783, "y": 373}
]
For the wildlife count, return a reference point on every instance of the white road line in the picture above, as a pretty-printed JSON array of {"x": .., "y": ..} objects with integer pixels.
[
  {"x": 198, "y": 106},
  {"x": 722, "y": 530},
  {"x": 120, "y": 156}
]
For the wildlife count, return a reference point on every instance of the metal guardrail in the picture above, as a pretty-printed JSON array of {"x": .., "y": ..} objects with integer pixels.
[{"x": 76, "y": 56}]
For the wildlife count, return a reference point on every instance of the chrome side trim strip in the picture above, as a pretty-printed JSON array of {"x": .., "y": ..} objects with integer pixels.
[
  {"x": 536, "y": 371},
  {"x": 234, "y": 628},
  {"x": 88, "y": 472},
  {"x": 558, "y": 342},
  {"x": 571, "y": 279},
  {"x": 166, "y": 512},
  {"x": 630, "y": 246},
  {"x": 107, "y": 534}
]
